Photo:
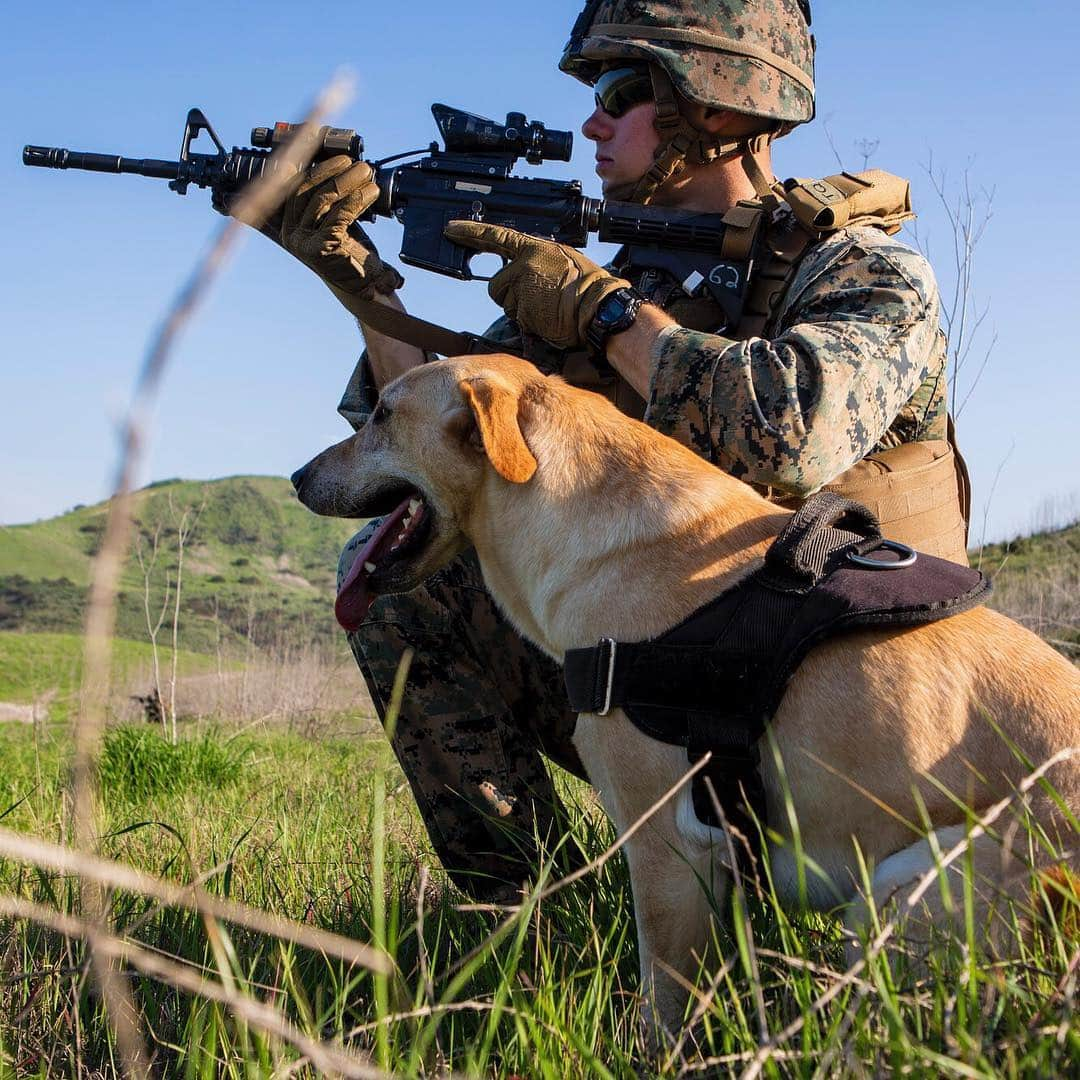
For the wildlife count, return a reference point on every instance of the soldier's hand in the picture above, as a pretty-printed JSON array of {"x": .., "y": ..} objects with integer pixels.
[
  {"x": 314, "y": 225},
  {"x": 549, "y": 289}
]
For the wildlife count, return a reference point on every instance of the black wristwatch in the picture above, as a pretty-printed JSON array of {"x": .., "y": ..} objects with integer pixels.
[{"x": 617, "y": 312}]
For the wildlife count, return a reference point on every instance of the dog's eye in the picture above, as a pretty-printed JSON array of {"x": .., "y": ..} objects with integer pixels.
[{"x": 381, "y": 414}]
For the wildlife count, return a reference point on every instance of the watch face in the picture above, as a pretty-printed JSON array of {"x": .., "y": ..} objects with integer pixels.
[
  {"x": 615, "y": 314},
  {"x": 612, "y": 309}
]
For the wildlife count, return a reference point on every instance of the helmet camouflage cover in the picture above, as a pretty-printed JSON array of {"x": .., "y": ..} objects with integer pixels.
[{"x": 754, "y": 57}]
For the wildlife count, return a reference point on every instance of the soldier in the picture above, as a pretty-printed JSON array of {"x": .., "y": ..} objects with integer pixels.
[{"x": 834, "y": 376}]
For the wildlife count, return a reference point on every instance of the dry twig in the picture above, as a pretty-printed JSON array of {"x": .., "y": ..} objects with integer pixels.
[{"x": 256, "y": 205}]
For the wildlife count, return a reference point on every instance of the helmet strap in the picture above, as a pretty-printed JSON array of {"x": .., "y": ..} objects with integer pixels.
[
  {"x": 767, "y": 190},
  {"x": 680, "y": 141}
]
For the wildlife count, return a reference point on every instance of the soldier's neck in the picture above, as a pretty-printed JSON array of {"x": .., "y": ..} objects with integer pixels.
[{"x": 712, "y": 188}]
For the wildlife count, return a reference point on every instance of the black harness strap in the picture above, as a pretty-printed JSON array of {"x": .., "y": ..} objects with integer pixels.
[{"x": 713, "y": 683}]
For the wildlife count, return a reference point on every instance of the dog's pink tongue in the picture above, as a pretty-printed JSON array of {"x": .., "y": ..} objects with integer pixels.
[{"x": 356, "y": 595}]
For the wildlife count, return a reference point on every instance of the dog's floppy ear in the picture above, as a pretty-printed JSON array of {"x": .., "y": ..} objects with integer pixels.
[{"x": 495, "y": 405}]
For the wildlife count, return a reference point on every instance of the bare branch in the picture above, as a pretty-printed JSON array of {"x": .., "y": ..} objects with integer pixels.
[
  {"x": 832, "y": 144},
  {"x": 184, "y": 528},
  {"x": 153, "y": 627},
  {"x": 968, "y": 214},
  {"x": 868, "y": 148}
]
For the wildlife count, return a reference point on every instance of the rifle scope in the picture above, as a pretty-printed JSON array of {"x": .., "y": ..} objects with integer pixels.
[{"x": 466, "y": 133}]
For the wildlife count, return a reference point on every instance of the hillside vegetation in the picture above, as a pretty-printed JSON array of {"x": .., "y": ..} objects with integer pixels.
[
  {"x": 259, "y": 569},
  {"x": 257, "y": 566},
  {"x": 36, "y": 665},
  {"x": 1037, "y": 582}
]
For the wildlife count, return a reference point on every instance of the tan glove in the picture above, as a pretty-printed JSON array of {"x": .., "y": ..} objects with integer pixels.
[
  {"x": 548, "y": 289},
  {"x": 314, "y": 225}
]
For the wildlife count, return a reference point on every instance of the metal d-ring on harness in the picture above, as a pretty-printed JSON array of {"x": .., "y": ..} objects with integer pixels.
[
  {"x": 714, "y": 682},
  {"x": 907, "y": 557}
]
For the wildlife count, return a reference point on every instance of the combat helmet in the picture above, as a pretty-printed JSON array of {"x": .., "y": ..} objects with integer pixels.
[{"x": 754, "y": 57}]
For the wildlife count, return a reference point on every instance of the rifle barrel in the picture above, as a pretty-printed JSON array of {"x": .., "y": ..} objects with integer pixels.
[{"x": 56, "y": 157}]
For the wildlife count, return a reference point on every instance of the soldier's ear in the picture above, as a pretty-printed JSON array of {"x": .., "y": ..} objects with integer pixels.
[{"x": 496, "y": 407}]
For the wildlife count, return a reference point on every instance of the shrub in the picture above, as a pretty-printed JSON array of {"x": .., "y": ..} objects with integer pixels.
[{"x": 137, "y": 763}]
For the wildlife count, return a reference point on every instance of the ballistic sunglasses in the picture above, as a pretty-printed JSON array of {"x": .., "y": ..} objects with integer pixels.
[{"x": 621, "y": 88}]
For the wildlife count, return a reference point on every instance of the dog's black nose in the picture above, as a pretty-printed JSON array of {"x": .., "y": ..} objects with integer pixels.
[{"x": 297, "y": 478}]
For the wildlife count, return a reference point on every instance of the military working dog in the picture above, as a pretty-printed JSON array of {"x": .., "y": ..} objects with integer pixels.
[{"x": 590, "y": 525}]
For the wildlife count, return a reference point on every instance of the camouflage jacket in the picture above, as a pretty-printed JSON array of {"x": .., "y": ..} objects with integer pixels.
[{"x": 853, "y": 362}]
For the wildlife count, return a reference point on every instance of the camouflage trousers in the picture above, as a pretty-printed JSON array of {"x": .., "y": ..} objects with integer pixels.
[{"x": 481, "y": 705}]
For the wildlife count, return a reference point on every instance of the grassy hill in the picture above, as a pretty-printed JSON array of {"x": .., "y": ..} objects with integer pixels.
[
  {"x": 32, "y": 665},
  {"x": 1037, "y": 582},
  {"x": 257, "y": 566}
]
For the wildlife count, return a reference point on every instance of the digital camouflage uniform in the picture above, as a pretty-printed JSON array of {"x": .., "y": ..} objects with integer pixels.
[{"x": 852, "y": 362}]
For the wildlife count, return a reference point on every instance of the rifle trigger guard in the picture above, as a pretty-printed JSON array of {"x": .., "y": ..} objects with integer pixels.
[{"x": 470, "y": 276}]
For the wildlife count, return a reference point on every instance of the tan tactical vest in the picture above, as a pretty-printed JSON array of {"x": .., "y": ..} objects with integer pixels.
[{"x": 919, "y": 491}]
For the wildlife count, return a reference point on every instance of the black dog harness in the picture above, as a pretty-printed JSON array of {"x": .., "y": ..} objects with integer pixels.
[{"x": 713, "y": 683}]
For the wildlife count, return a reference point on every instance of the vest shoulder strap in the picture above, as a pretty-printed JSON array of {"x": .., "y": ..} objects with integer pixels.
[{"x": 873, "y": 197}]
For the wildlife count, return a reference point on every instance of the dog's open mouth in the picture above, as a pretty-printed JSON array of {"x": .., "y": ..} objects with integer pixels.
[{"x": 402, "y": 535}]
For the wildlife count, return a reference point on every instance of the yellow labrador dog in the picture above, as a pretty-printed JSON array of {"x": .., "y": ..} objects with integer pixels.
[{"x": 588, "y": 525}]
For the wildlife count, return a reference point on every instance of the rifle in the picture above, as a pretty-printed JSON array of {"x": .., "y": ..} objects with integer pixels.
[{"x": 468, "y": 178}]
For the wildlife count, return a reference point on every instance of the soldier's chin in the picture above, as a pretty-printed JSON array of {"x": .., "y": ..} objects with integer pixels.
[{"x": 617, "y": 189}]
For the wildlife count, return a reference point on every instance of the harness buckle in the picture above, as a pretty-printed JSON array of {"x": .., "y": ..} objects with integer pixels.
[{"x": 610, "y": 680}]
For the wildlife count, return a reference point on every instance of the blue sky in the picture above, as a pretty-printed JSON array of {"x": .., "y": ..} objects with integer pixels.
[{"x": 990, "y": 88}]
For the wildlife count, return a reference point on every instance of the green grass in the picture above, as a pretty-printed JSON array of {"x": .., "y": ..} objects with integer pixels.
[
  {"x": 1034, "y": 552},
  {"x": 257, "y": 515},
  {"x": 325, "y": 832},
  {"x": 43, "y": 550},
  {"x": 1037, "y": 582},
  {"x": 137, "y": 764},
  {"x": 34, "y": 664}
]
